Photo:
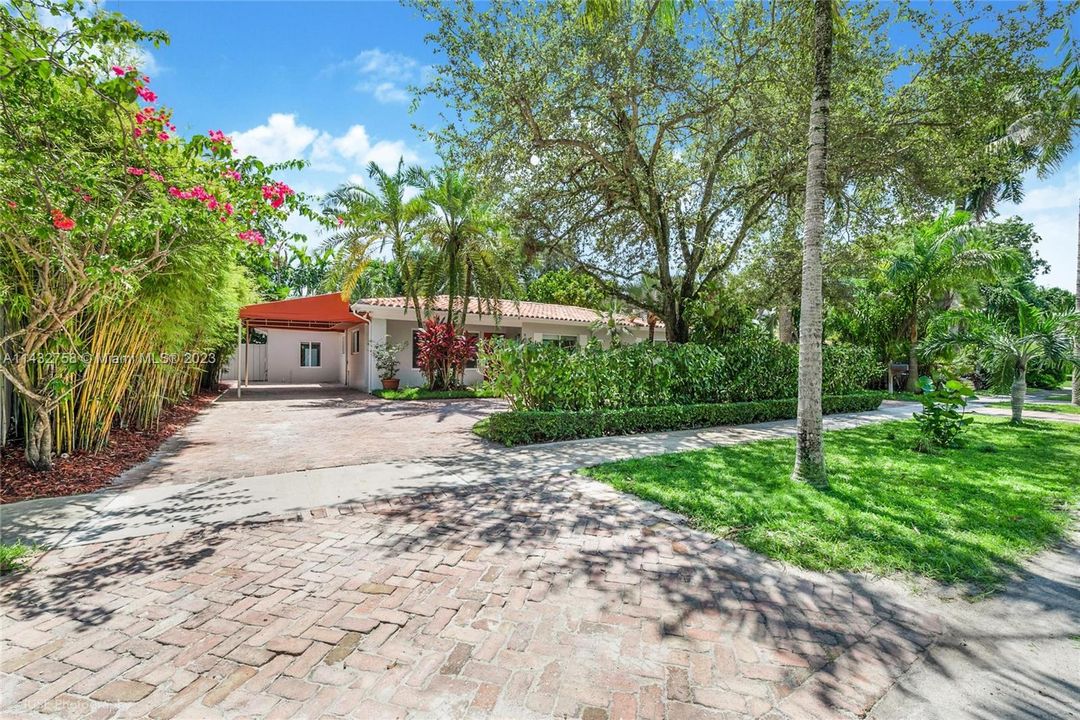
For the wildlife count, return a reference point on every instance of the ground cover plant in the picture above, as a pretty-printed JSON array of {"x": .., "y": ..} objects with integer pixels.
[
  {"x": 415, "y": 393},
  {"x": 12, "y": 557},
  {"x": 961, "y": 515}
]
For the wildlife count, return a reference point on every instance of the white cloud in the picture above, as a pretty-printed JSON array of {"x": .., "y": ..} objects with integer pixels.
[
  {"x": 1051, "y": 206},
  {"x": 278, "y": 140},
  {"x": 282, "y": 137},
  {"x": 144, "y": 60},
  {"x": 385, "y": 75}
]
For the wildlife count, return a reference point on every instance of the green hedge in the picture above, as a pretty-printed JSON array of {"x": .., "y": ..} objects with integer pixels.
[
  {"x": 750, "y": 367},
  {"x": 522, "y": 427}
]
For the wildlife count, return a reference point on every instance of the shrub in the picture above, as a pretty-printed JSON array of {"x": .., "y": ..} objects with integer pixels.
[
  {"x": 386, "y": 357},
  {"x": 942, "y": 419},
  {"x": 442, "y": 354},
  {"x": 520, "y": 427},
  {"x": 751, "y": 366}
]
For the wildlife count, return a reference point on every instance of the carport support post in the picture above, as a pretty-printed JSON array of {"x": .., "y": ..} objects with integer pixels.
[
  {"x": 239, "y": 352},
  {"x": 247, "y": 355}
]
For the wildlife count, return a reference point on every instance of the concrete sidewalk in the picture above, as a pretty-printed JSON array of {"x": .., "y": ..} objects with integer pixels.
[{"x": 159, "y": 508}]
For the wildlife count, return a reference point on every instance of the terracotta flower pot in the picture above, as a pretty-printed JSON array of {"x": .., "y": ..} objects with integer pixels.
[{"x": 390, "y": 383}]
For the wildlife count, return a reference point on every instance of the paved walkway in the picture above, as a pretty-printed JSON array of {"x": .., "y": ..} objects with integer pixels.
[
  {"x": 558, "y": 598},
  {"x": 1015, "y": 656},
  {"x": 279, "y": 428},
  {"x": 155, "y": 507}
]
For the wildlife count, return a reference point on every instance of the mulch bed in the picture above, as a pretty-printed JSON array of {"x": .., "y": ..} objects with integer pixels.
[{"x": 83, "y": 472}]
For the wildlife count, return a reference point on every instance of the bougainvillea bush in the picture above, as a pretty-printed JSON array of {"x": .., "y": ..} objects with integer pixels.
[
  {"x": 119, "y": 238},
  {"x": 443, "y": 353}
]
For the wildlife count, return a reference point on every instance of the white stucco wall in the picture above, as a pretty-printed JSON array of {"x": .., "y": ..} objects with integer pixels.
[{"x": 283, "y": 357}]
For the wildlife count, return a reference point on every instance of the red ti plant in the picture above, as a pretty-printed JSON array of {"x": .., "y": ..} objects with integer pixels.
[{"x": 442, "y": 354}]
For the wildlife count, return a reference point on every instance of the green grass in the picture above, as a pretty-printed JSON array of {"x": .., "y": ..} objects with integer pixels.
[
  {"x": 960, "y": 515},
  {"x": 414, "y": 393},
  {"x": 12, "y": 555},
  {"x": 1043, "y": 407}
]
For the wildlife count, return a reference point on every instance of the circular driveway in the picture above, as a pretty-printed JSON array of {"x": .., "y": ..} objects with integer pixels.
[{"x": 281, "y": 428}]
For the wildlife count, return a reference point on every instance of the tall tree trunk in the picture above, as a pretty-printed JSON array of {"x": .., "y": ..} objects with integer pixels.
[
  {"x": 39, "y": 439},
  {"x": 912, "y": 383},
  {"x": 1076, "y": 341},
  {"x": 1017, "y": 392},
  {"x": 809, "y": 440},
  {"x": 785, "y": 321}
]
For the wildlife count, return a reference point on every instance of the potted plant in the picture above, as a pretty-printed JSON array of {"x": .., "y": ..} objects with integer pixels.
[{"x": 386, "y": 362}]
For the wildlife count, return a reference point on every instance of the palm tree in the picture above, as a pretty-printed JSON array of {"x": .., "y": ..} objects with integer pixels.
[
  {"x": 1009, "y": 345},
  {"x": 380, "y": 218},
  {"x": 471, "y": 252},
  {"x": 809, "y": 442},
  {"x": 1076, "y": 341},
  {"x": 933, "y": 261}
]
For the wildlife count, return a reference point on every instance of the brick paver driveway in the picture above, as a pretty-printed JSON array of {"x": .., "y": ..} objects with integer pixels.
[
  {"x": 557, "y": 598},
  {"x": 281, "y": 428}
]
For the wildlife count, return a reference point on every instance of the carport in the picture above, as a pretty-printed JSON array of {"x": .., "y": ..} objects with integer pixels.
[{"x": 327, "y": 313}]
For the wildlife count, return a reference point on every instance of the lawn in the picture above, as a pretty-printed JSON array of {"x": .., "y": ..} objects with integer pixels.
[
  {"x": 960, "y": 515},
  {"x": 415, "y": 393},
  {"x": 1044, "y": 407}
]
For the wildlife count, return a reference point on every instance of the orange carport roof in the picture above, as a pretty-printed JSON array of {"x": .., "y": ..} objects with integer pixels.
[{"x": 315, "y": 312}]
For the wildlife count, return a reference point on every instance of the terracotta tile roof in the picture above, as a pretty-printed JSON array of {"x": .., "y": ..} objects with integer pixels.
[{"x": 510, "y": 308}]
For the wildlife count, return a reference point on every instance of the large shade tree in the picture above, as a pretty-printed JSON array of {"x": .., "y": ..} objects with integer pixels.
[{"x": 636, "y": 152}]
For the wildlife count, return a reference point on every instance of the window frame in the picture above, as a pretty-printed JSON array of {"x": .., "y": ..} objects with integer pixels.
[{"x": 312, "y": 345}]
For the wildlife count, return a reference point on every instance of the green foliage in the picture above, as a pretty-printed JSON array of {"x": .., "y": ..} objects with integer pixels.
[
  {"x": 969, "y": 515},
  {"x": 942, "y": 419},
  {"x": 567, "y": 287},
  {"x": 386, "y": 357},
  {"x": 12, "y": 557},
  {"x": 416, "y": 393},
  {"x": 750, "y": 366},
  {"x": 533, "y": 426}
]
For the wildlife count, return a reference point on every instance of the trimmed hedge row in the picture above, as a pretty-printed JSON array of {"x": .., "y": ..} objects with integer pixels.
[
  {"x": 522, "y": 427},
  {"x": 746, "y": 368}
]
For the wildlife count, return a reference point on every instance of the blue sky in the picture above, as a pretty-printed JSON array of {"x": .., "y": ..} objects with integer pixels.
[{"x": 327, "y": 82}]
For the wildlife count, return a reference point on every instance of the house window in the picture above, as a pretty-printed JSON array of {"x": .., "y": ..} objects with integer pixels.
[
  {"x": 356, "y": 342},
  {"x": 567, "y": 341},
  {"x": 310, "y": 354}
]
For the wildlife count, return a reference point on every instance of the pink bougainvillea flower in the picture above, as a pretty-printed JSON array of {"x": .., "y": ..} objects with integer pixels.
[
  {"x": 233, "y": 174},
  {"x": 228, "y": 208},
  {"x": 86, "y": 198},
  {"x": 175, "y": 191},
  {"x": 61, "y": 221},
  {"x": 340, "y": 220},
  {"x": 276, "y": 193},
  {"x": 217, "y": 136},
  {"x": 157, "y": 176},
  {"x": 163, "y": 136},
  {"x": 252, "y": 236},
  {"x": 12, "y": 204},
  {"x": 119, "y": 71},
  {"x": 212, "y": 203},
  {"x": 135, "y": 171},
  {"x": 138, "y": 132},
  {"x": 146, "y": 94}
]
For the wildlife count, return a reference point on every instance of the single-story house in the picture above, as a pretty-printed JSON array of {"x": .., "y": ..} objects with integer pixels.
[{"x": 323, "y": 339}]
